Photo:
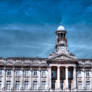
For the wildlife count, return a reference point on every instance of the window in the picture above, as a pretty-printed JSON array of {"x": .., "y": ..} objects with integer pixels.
[
  {"x": 9, "y": 72},
  {"x": 43, "y": 84},
  {"x": 87, "y": 73},
  {"x": 0, "y": 84},
  {"x": 34, "y": 84},
  {"x": 17, "y": 85},
  {"x": 0, "y": 72},
  {"x": 69, "y": 74},
  {"x": 8, "y": 85},
  {"x": 43, "y": 73},
  {"x": 26, "y": 72},
  {"x": 35, "y": 72},
  {"x": 79, "y": 85},
  {"x": 17, "y": 72},
  {"x": 87, "y": 84},
  {"x": 26, "y": 83}
]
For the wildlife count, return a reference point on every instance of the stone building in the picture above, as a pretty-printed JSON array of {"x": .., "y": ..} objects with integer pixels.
[{"x": 60, "y": 72}]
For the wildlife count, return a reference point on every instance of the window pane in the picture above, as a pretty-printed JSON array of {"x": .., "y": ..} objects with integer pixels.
[
  {"x": 87, "y": 73},
  {"x": 43, "y": 84},
  {"x": 35, "y": 72},
  {"x": 26, "y": 83},
  {"x": 43, "y": 73},
  {"x": 17, "y": 72},
  {"x": 26, "y": 72},
  {"x": 34, "y": 84},
  {"x": 8, "y": 72},
  {"x": 79, "y": 84},
  {"x": 17, "y": 85},
  {"x": 87, "y": 84}
]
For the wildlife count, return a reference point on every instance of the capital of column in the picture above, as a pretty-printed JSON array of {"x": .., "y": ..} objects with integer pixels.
[{"x": 66, "y": 66}]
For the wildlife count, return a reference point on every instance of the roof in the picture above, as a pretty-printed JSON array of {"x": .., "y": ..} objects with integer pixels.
[{"x": 61, "y": 28}]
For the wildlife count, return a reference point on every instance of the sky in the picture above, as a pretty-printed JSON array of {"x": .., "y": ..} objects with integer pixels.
[{"x": 27, "y": 27}]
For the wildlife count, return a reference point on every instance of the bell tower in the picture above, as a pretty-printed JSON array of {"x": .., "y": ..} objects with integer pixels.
[{"x": 61, "y": 44}]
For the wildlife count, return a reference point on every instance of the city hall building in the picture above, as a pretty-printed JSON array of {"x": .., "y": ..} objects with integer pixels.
[{"x": 60, "y": 72}]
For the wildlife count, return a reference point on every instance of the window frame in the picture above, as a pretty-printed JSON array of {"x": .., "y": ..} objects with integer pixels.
[
  {"x": 17, "y": 85},
  {"x": 27, "y": 85},
  {"x": 8, "y": 85},
  {"x": 35, "y": 86},
  {"x": 80, "y": 85},
  {"x": 8, "y": 72}
]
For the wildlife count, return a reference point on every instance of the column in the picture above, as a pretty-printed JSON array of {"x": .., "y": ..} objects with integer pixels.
[
  {"x": 22, "y": 76},
  {"x": 83, "y": 78},
  {"x": 4, "y": 79},
  {"x": 39, "y": 78},
  {"x": 74, "y": 78},
  {"x": 66, "y": 79},
  {"x": 49, "y": 79},
  {"x": 58, "y": 77},
  {"x": 13, "y": 79}
]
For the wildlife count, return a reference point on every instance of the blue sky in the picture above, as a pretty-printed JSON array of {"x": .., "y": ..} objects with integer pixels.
[{"x": 27, "y": 27}]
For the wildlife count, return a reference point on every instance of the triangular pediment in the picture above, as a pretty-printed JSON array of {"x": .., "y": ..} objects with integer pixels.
[{"x": 63, "y": 57}]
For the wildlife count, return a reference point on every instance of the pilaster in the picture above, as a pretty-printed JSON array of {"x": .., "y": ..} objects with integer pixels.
[
  {"x": 4, "y": 78},
  {"x": 83, "y": 78},
  {"x": 22, "y": 77},
  {"x": 13, "y": 79}
]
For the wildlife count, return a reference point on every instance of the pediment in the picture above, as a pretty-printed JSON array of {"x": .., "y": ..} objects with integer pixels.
[{"x": 63, "y": 57}]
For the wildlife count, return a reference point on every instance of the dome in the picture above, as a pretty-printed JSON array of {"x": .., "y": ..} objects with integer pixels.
[{"x": 61, "y": 28}]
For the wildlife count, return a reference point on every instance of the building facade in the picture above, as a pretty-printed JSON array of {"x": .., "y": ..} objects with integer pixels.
[{"x": 60, "y": 72}]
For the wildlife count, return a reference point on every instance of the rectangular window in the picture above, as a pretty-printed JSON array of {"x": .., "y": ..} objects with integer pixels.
[
  {"x": 8, "y": 85},
  {"x": 17, "y": 72},
  {"x": 87, "y": 73},
  {"x": 35, "y": 72},
  {"x": 69, "y": 74},
  {"x": 79, "y": 85},
  {"x": 87, "y": 84},
  {"x": 0, "y": 71},
  {"x": 43, "y": 84},
  {"x": 43, "y": 73},
  {"x": 34, "y": 84},
  {"x": 26, "y": 83},
  {"x": 0, "y": 84},
  {"x": 26, "y": 72},
  {"x": 8, "y": 72},
  {"x": 17, "y": 85}
]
